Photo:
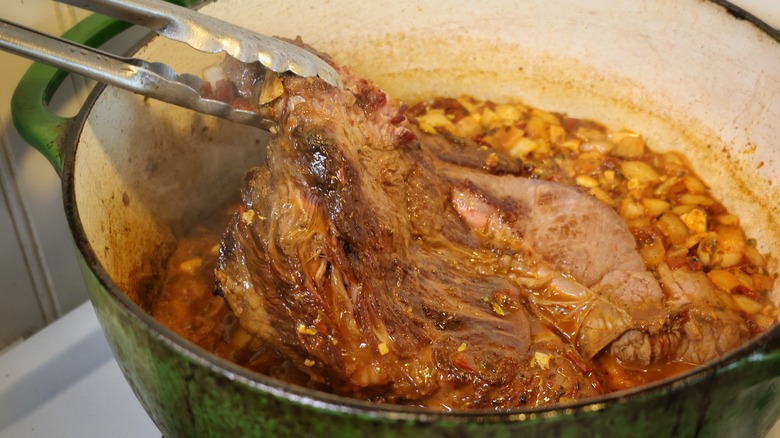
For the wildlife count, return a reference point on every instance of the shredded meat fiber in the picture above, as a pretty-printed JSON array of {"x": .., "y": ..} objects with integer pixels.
[{"x": 385, "y": 267}]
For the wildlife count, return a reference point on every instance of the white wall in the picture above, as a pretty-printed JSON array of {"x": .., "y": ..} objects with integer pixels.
[{"x": 39, "y": 278}]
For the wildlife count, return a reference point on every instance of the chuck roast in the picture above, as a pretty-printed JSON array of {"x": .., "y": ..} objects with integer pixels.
[{"x": 388, "y": 268}]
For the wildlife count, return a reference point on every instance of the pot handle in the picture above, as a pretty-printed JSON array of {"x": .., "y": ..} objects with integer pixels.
[{"x": 41, "y": 128}]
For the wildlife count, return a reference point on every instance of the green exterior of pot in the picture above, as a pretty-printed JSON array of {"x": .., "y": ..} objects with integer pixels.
[
  {"x": 187, "y": 396},
  {"x": 189, "y": 392}
]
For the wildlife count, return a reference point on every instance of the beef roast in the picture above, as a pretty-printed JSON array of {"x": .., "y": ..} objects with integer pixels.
[{"x": 389, "y": 269}]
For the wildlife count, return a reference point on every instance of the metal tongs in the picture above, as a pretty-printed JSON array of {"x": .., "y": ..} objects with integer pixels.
[{"x": 157, "y": 80}]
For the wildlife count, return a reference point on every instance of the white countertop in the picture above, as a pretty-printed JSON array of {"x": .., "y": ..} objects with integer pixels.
[{"x": 64, "y": 382}]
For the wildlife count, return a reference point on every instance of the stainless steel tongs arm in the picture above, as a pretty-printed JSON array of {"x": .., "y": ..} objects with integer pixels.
[
  {"x": 155, "y": 80},
  {"x": 211, "y": 35}
]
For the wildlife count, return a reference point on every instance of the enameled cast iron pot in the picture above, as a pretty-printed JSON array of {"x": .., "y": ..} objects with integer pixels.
[{"x": 689, "y": 75}]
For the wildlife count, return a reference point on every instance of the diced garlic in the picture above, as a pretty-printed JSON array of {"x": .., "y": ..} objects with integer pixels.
[
  {"x": 640, "y": 171},
  {"x": 664, "y": 187},
  {"x": 654, "y": 253},
  {"x": 728, "y": 259},
  {"x": 191, "y": 265},
  {"x": 508, "y": 113},
  {"x": 763, "y": 321},
  {"x": 754, "y": 256},
  {"x": 630, "y": 146},
  {"x": 728, "y": 219},
  {"x": 673, "y": 227},
  {"x": 747, "y": 305},
  {"x": 586, "y": 181},
  {"x": 433, "y": 119},
  {"x": 572, "y": 144},
  {"x": 538, "y": 128},
  {"x": 744, "y": 279},
  {"x": 601, "y": 195},
  {"x": 630, "y": 208},
  {"x": 489, "y": 119},
  {"x": 723, "y": 279},
  {"x": 557, "y": 133},
  {"x": 674, "y": 160},
  {"x": 762, "y": 283},
  {"x": 694, "y": 185},
  {"x": 694, "y": 239},
  {"x": 309, "y": 331},
  {"x": 523, "y": 147},
  {"x": 682, "y": 209},
  {"x": 696, "y": 220},
  {"x": 655, "y": 206},
  {"x": 589, "y": 134},
  {"x": 730, "y": 238},
  {"x": 542, "y": 360},
  {"x": 545, "y": 116},
  {"x": 468, "y": 126},
  {"x": 603, "y": 147},
  {"x": 690, "y": 199},
  {"x": 272, "y": 87},
  {"x": 248, "y": 216},
  {"x": 469, "y": 104}
]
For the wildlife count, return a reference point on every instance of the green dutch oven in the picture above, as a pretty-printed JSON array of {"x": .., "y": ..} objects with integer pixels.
[{"x": 697, "y": 76}]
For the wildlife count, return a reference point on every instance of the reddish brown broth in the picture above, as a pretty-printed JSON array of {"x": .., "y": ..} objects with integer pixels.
[
  {"x": 188, "y": 306},
  {"x": 670, "y": 211}
]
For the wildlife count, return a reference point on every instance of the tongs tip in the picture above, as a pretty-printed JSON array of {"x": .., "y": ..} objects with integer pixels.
[{"x": 281, "y": 56}]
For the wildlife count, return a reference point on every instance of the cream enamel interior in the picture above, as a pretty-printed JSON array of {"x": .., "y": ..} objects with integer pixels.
[{"x": 685, "y": 74}]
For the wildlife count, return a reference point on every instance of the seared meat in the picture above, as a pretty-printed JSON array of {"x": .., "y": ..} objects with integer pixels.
[{"x": 387, "y": 268}]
